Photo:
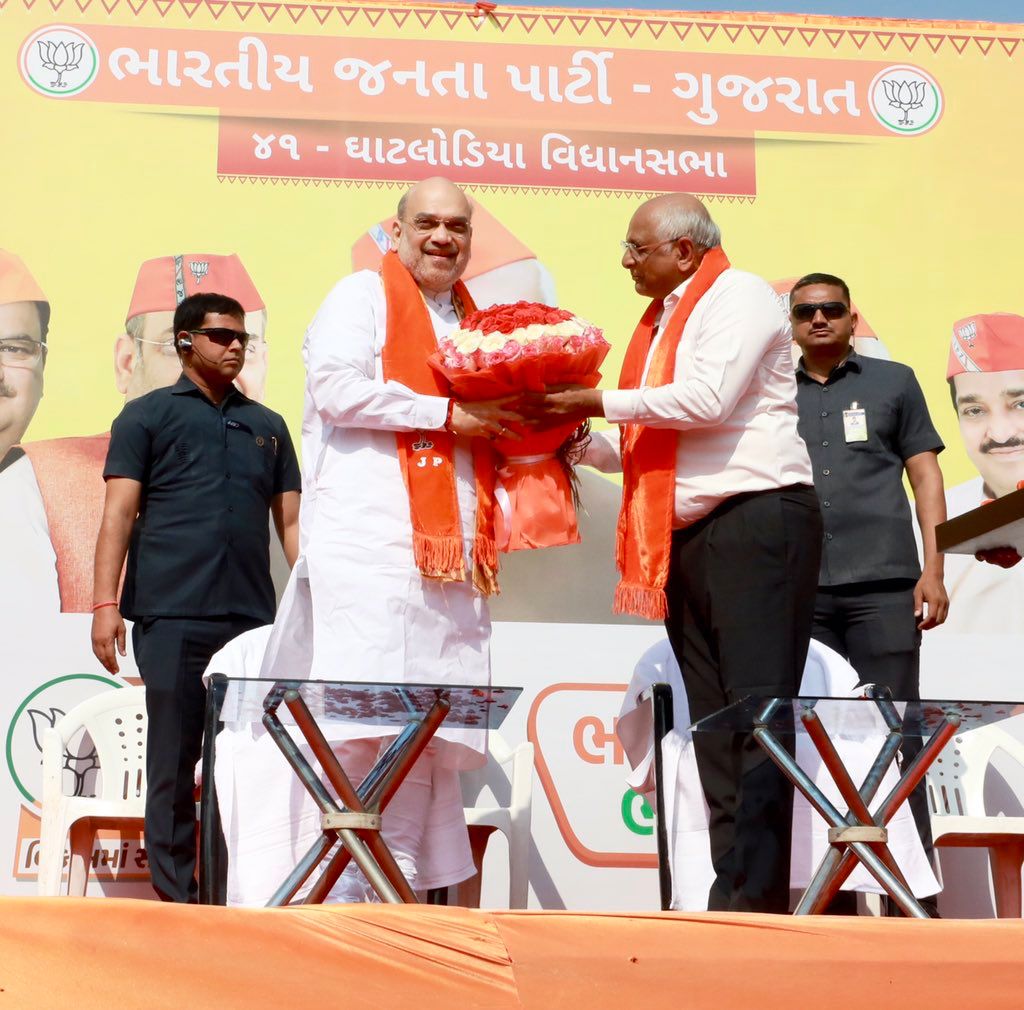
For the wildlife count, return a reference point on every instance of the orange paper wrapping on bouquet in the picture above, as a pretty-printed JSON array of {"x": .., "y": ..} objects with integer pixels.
[
  {"x": 535, "y": 506},
  {"x": 534, "y": 494}
]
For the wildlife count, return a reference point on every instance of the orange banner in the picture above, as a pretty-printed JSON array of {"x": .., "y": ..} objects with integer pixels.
[
  {"x": 417, "y": 80},
  {"x": 310, "y": 149}
]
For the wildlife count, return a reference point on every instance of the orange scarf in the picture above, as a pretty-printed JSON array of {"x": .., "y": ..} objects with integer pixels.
[
  {"x": 428, "y": 457},
  {"x": 643, "y": 537}
]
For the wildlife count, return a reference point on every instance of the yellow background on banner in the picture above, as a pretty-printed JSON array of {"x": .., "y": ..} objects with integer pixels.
[{"x": 924, "y": 228}]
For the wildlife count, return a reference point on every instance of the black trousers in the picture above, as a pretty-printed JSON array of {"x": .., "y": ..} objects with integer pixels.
[
  {"x": 740, "y": 593},
  {"x": 172, "y": 654},
  {"x": 872, "y": 625}
]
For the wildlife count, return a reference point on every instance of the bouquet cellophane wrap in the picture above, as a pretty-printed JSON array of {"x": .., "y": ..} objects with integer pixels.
[{"x": 534, "y": 494}]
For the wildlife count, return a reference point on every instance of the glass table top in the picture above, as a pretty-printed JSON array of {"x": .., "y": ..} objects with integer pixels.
[
  {"x": 245, "y": 700},
  {"x": 855, "y": 717}
]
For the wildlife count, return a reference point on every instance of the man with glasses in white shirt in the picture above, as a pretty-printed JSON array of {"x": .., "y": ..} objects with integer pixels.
[
  {"x": 720, "y": 532},
  {"x": 24, "y": 324}
]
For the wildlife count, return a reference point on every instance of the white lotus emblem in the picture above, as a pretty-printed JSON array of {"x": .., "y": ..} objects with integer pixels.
[
  {"x": 905, "y": 96},
  {"x": 905, "y": 99},
  {"x": 60, "y": 57}
]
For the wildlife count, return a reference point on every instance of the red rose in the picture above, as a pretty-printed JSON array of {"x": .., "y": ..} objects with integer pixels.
[{"x": 508, "y": 318}]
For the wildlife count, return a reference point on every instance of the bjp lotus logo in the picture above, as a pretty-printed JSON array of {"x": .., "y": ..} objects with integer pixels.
[
  {"x": 968, "y": 333},
  {"x": 41, "y": 710},
  {"x": 58, "y": 61},
  {"x": 60, "y": 57},
  {"x": 82, "y": 763},
  {"x": 905, "y": 96},
  {"x": 905, "y": 99}
]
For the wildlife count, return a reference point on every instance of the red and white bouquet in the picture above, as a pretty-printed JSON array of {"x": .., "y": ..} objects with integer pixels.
[{"x": 509, "y": 349}]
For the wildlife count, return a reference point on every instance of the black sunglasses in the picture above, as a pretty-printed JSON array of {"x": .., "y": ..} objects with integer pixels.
[
  {"x": 223, "y": 335},
  {"x": 804, "y": 312}
]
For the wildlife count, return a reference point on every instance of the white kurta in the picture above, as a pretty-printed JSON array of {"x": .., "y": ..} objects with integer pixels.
[
  {"x": 356, "y": 606},
  {"x": 28, "y": 553},
  {"x": 270, "y": 820},
  {"x": 686, "y": 813}
]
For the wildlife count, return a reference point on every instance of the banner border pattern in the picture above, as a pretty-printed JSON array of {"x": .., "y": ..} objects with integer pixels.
[
  {"x": 402, "y": 184},
  {"x": 814, "y": 32}
]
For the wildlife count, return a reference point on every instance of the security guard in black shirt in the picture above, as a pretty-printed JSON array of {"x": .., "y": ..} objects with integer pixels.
[
  {"x": 191, "y": 473},
  {"x": 865, "y": 423}
]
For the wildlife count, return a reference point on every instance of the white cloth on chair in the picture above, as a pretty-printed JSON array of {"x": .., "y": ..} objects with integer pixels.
[
  {"x": 826, "y": 674},
  {"x": 270, "y": 820}
]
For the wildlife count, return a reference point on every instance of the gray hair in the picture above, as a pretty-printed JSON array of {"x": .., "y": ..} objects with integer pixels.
[
  {"x": 696, "y": 224},
  {"x": 136, "y": 326}
]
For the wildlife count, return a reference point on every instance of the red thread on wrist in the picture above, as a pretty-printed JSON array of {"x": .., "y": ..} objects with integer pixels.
[
  {"x": 448, "y": 418},
  {"x": 100, "y": 606}
]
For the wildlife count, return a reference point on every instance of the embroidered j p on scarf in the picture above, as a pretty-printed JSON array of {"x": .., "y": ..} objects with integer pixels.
[{"x": 433, "y": 504}]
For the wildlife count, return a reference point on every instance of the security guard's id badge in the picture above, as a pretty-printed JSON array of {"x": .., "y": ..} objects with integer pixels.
[{"x": 855, "y": 423}]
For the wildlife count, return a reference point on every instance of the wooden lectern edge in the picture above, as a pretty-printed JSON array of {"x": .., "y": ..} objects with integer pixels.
[{"x": 999, "y": 524}]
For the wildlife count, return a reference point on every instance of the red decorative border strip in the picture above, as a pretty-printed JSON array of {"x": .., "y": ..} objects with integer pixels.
[
  {"x": 554, "y": 21},
  {"x": 276, "y": 180}
]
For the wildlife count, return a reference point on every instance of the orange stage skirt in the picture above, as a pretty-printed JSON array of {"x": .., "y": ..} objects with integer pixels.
[{"x": 99, "y": 954}]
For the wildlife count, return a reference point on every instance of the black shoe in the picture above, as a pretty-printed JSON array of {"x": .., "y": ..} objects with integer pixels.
[{"x": 929, "y": 904}]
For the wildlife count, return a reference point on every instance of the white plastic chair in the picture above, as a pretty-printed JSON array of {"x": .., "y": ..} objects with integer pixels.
[
  {"x": 956, "y": 799},
  {"x": 508, "y": 772},
  {"x": 115, "y": 721}
]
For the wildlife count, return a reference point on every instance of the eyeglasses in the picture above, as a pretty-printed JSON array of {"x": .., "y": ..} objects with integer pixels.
[
  {"x": 21, "y": 352},
  {"x": 804, "y": 312},
  {"x": 252, "y": 343},
  {"x": 426, "y": 223},
  {"x": 641, "y": 252},
  {"x": 223, "y": 335}
]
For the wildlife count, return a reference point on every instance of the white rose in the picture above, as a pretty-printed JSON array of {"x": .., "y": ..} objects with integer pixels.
[
  {"x": 494, "y": 341},
  {"x": 466, "y": 341}
]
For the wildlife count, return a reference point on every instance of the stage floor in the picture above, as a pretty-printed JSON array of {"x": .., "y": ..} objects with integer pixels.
[{"x": 118, "y": 954}]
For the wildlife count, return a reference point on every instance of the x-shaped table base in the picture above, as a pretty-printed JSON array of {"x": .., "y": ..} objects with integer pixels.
[
  {"x": 353, "y": 817},
  {"x": 860, "y": 834}
]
